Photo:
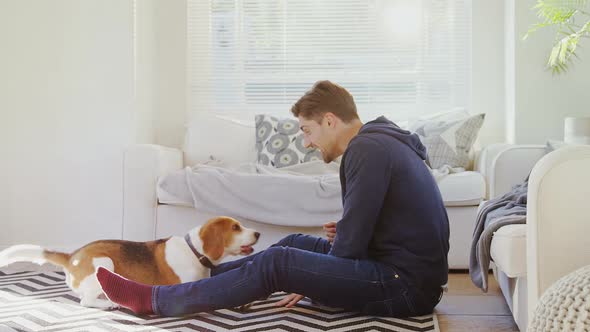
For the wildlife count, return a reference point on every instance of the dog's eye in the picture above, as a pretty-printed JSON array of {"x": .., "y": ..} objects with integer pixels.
[{"x": 236, "y": 227}]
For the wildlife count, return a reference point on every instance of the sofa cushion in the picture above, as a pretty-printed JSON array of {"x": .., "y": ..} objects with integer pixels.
[
  {"x": 457, "y": 189},
  {"x": 462, "y": 189},
  {"x": 508, "y": 250}
]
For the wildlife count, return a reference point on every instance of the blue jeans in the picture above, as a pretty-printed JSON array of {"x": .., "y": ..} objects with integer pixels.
[{"x": 298, "y": 264}]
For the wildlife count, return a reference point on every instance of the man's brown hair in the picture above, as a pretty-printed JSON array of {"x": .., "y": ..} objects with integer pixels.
[{"x": 325, "y": 97}]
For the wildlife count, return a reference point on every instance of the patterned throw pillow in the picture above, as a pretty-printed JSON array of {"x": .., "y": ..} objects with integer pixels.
[
  {"x": 449, "y": 142},
  {"x": 280, "y": 143}
]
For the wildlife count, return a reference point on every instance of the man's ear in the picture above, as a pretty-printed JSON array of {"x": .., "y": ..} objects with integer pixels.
[{"x": 330, "y": 119}]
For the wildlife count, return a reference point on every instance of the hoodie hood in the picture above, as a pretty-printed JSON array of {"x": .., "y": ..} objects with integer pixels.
[{"x": 382, "y": 125}]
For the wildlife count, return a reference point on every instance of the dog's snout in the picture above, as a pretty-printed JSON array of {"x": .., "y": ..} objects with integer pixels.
[{"x": 256, "y": 235}]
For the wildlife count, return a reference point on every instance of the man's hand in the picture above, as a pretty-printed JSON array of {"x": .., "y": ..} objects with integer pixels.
[
  {"x": 330, "y": 229},
  {"x": 289, "y": 300}
]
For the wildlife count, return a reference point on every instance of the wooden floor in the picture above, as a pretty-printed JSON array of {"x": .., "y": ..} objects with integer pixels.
[{"x": 466, "y": 308}]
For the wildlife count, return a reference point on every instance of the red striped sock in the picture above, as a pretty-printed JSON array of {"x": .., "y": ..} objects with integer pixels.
[{"x": 126, "y": 293}]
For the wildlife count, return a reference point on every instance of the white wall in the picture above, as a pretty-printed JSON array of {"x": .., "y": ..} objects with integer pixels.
[
  {"x": 540, "y": 101},
  {"x": 524, "y": 103},
  {"x": 170, "y": 79},
  {"x": 161, "y": 71},
  {"x": 144, "y": 44},
  {"x": 487, "y": 93},
  {"x": 68, "y": 108}
]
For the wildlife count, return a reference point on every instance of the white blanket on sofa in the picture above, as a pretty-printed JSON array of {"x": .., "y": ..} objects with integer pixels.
[{"x": 307, "y": 194}]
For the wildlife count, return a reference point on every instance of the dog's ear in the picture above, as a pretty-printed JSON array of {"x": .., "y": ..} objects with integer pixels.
[{"x": 213, "y": 237}]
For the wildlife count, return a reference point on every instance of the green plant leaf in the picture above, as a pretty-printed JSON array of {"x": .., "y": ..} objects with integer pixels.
[{"x": 562, "y": 16}]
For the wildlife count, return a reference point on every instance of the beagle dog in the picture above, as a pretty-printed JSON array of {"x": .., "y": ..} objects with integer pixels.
[{"x": 166, "y": 261}]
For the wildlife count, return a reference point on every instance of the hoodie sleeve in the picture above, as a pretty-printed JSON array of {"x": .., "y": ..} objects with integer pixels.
[{"x": 367, "y": 168}]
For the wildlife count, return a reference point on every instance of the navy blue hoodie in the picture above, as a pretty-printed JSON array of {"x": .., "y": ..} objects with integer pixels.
[{"x": 393, "y": 210}]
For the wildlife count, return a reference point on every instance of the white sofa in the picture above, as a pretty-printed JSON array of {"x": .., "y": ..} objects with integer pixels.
[
  {"x": 529, "y": 257},
  {"x": 233, "y": 141}
]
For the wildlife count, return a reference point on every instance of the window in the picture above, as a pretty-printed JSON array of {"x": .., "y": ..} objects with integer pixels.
[{"x": 399, "y": 58}]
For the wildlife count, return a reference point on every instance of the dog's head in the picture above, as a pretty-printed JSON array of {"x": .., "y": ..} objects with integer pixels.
[{"x": 223, "y": 236}]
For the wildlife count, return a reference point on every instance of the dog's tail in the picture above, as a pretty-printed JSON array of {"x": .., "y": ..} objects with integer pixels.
[{"x": 34, "y": 254}]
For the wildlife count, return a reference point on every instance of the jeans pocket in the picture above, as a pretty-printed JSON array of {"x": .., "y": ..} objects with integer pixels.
[{"x": 389, "y": 274}]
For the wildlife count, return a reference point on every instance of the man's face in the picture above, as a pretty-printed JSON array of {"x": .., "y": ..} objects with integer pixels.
[{"x": 318, "y": 135}]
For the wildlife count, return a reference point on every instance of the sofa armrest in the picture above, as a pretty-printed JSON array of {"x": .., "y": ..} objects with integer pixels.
[
  {"x": 505, "y": 165},
  {"x": 142, "y": 165},
  {"x": 558, "y": 220}
]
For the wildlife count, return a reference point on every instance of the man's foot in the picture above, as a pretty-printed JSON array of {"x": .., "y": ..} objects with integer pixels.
[{"x": 126, "y": 293}]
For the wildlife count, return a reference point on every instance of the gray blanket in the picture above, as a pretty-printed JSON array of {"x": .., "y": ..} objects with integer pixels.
[
  {"x": 495, "y": 213},
  {"x": 305, "y": 195}
]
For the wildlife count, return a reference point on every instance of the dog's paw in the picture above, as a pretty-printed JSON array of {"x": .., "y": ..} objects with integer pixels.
[{"x": 99, "y": 304}]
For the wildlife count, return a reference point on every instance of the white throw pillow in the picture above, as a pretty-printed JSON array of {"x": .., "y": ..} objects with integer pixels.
[
  {"x": 215, "y": 137},
  {"x": 449, "y": 138}
]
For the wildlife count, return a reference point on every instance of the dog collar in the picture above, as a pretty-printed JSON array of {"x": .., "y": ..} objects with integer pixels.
[{"x": 202, "y": 258}]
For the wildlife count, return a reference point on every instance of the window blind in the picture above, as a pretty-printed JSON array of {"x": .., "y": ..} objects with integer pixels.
[{"x": 399, "y": 58}]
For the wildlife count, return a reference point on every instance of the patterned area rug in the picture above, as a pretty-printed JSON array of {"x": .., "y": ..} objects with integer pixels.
[{"x": 41, "y": 301}]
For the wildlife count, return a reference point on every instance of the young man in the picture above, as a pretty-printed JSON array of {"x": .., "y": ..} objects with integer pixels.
[{"x": 387, "y": 256}]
